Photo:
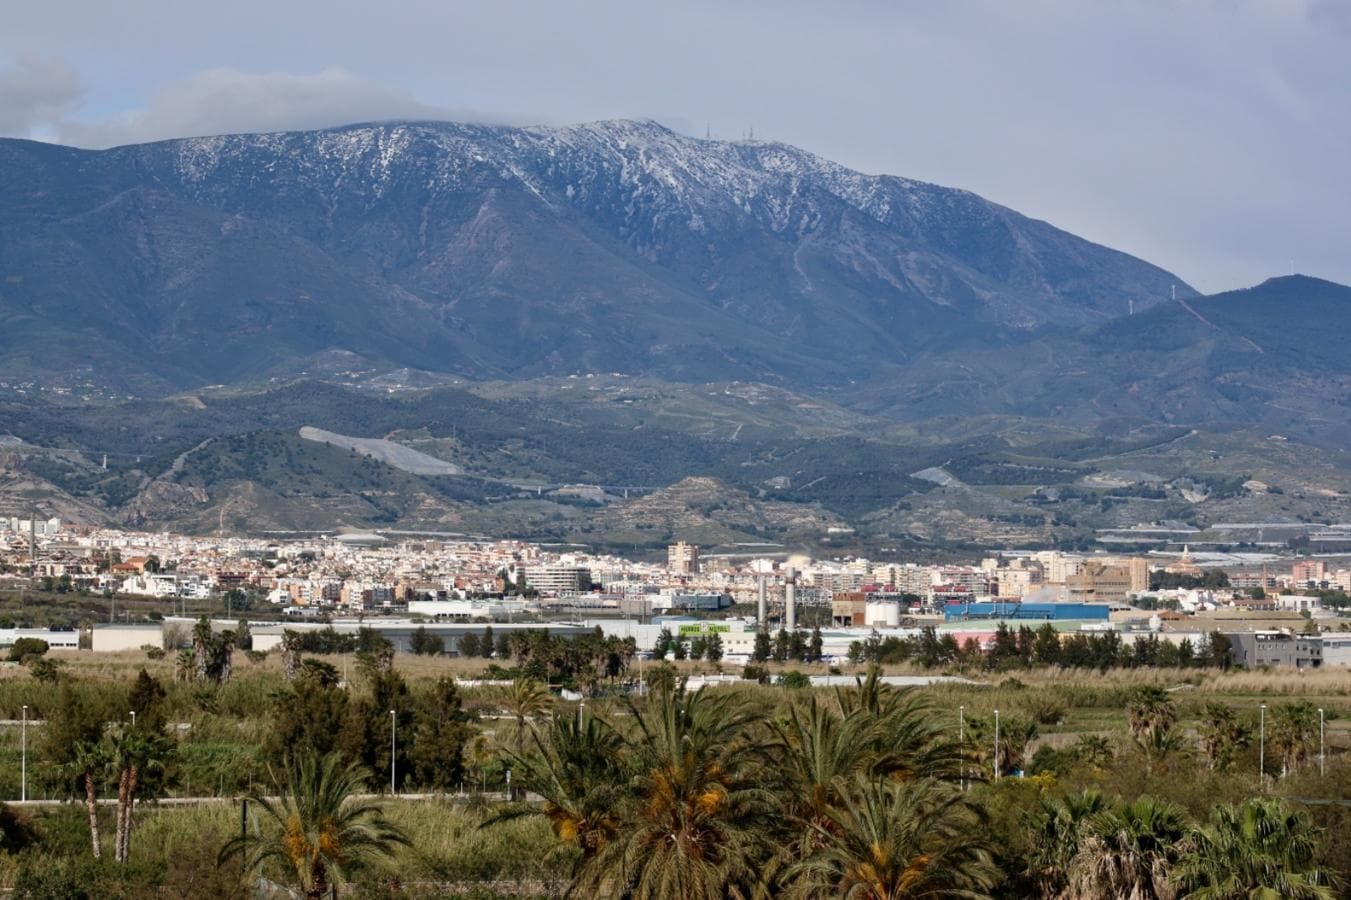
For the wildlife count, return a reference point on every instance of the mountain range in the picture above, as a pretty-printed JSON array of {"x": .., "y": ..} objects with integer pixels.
[
  {"x": 493, "y": 252},
  {"x": 615, "y": 334}
]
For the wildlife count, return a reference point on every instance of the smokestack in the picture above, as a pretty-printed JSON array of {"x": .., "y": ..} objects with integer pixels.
[
  {"x": 790, "y": 600},
  {"x": 761, "y": 604}
]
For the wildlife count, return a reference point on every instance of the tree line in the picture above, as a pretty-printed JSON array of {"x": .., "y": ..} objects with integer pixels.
[
  {"x": 863, "y": 794},
  {"x": 1045, "y": 646}
]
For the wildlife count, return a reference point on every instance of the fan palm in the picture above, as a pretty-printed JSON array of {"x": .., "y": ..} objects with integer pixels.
[
  {"x": 1094, "y": 750},
  {"x": 1059, "y": 828},
  {"x": 1015, "y": 734},
  {"x": 1151, "y": 711},
  {"x": 1293, "y": 729},
  {"x": 132, "y": 755},
  {"x": 90, "y": 765},
  {"x": 691, "y": 823},
  {"x": 1128, "y": 853},
  {"x": 1257, "y": 849},
  {"x": 1158, "y": 747},
  {"x": 317, "y": 831},
  {"x": 893, "y": 840},
  {"x": 1221, "y": 734}
]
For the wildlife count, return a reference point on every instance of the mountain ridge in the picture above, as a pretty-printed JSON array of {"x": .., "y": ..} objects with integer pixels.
[{"x": 496, "y": 251}]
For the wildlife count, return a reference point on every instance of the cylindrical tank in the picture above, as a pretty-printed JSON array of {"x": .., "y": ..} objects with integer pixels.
[{"x": 882, "y": 614}]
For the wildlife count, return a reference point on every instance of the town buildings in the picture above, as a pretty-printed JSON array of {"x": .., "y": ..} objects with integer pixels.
[{"x": 462, "y": 583}]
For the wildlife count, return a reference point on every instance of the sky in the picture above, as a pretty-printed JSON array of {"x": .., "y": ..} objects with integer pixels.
[{"x": 1212, "y": 137}]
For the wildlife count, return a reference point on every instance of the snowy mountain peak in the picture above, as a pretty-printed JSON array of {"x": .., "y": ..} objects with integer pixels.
[{"x": 616, "y": 245}]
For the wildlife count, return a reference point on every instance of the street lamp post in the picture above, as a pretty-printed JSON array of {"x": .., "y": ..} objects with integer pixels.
[
  {"x": 1262, "y": 745},
  {"x": 996, "y": 745},
  {"x": 1322, "y": 744},
  {"x": 23, "y": 743},
  {"x": 393, "y": 749},
  {"x": 961, "y": 740},
  {"x": 133, "y": 720}
]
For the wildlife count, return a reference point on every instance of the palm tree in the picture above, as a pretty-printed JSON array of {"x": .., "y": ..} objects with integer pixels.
[
  {"x": 1221, "y": 735},
  {"x": 1128, "y": 853},
  {"x": 818, "y": 753},
  {"x": 132, "y": 754},
  {"x": 90, "y": 764},
  {"x": 290, "y": 654},
  {"x": 185, "y": 665},
  {"x": 201, "y": 648},
  {"x": 1059, "y": 829},
  {"x": 317, "y": 831},
  {"x": 1157, "y": 746},
  {"x": 226, "y": 649},
  {"x": 525, "y": 700},
  {"x": 910, "y": 739},
  {"x": 691, "y": 822},
  {"x": 1014, "y": 735},
  {"x": 1255, "y": 849},
  {"x": 577, "y": 767},
  {"x": 1293, "y": 729},
  {"x": 1151, "y": 711},
  {"x": 1095, "y": 750},
  {"x": 894, "y": 840}
]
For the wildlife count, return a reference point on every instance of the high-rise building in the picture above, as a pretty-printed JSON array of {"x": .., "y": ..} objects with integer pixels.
[
  {"x": 1100, "y": 582},
  {"x": 559, "y": 579},
  {"x": 682, "y": 559},
  {"x": 1307, "y": 570}
]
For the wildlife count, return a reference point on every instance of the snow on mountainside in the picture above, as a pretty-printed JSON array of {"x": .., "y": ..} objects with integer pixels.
[{"x": 505, "y": 251}]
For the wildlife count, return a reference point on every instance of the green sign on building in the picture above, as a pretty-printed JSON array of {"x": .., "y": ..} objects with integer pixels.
[{"x": 702, "y": 628}]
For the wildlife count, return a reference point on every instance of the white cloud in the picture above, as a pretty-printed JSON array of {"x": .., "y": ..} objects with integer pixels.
[
  {"x": 35, "y": 91},
  {"x": 227, "y": 101}
]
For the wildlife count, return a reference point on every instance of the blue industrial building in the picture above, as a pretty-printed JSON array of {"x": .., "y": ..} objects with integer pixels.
[{"x": 1013, "y": 609}]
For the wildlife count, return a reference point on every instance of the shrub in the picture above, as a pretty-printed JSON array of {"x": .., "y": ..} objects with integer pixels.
[
  {"x": 26, "y": 647},
  {"x": 45, "y": 670},
  {"x": 758, "y": 674},
  {"x": 1045, "y": 709}
]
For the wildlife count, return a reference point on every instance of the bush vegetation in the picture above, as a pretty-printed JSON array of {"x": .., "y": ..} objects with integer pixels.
[{"x": 1134, "y": 782}]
